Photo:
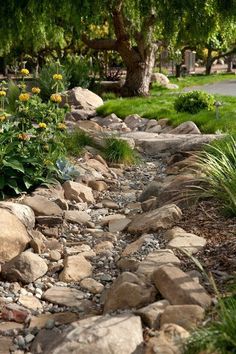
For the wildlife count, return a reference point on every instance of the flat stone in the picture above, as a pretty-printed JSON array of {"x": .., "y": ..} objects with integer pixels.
[
  {"x": 98, "y": 186},
  {"x": 156, "y": 259},
  {"x": 181, "y": 239},
  {"x": 99, "y": 334},
  {"x": 128, "y": 264},
  {"x": 64, "y": 296},
  {"x": 31, "y": 302},
  {"x": 75, "y": 269},
  {"x": 92, "y": 285},
  {"x": 152, "y": 313},
  {"x": 161, "y": 218},
  {"x": 42, "y": 206},
  {"x": 77, "y": 217},
  {"x": 61, "y": 318},
  {"x": 186, "y": 316},
  {"x": 106, "y": 219},
  {"x": 107, "y": 203},
  {"x": 118, "y": 225},
  {"x": 9, "y": 326},
  {"x": 179, "y": 288}
]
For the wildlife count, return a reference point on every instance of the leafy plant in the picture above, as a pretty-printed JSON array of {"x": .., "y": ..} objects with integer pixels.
[
  {"x": 46, "y": 81},
  {"x": 194, "y": 101},
  {"x": 66, "y": 171},
  {"x": 119, "y": 151},
  {"x": 78, "y": 70},
  {"x": 12, "y": 95},
  {"x": 218, "y": 164}
]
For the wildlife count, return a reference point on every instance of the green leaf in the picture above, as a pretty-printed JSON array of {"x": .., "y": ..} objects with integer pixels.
[
  {"x": 2, "y": 181},
  {"x": 14, "y": 164},
  {"x": 13, "y": 185},
  {"x": 28, "y": 182}
]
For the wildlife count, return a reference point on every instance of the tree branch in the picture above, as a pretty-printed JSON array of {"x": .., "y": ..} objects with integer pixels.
[{"x": 100, "y": 44}]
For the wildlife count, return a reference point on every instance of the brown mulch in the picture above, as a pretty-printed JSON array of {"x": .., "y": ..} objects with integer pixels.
[{"x": 219, "y": 255}]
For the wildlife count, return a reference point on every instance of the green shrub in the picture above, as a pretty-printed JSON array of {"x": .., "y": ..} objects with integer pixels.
[
  {"x": 218, "y": 164},
  {"x": 12, "y": 96},
  {"x": 194, "y": 101},
  {"x": 47, "y": 83},
  {"x": 31, "y": 142},
  {"x": 119, "y": 151},
  {"x": 218, "y": 336},
  {"x": 75, "y": 141},
  {"x": 78, "y": 70}
]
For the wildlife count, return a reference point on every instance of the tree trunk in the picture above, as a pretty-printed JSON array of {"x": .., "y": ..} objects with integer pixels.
[
  {"x": 230, "y": 64},
  {"x": 178, "y": 70},
  {"x": 138, "y": 76},
  {"x": 209, "y": 62}
]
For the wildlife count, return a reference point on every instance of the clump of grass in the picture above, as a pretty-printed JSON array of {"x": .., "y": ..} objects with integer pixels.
[
  {"x": 76, "y": 140},
  {"x": 13, "y": 94},
  {"x": 218, "y": 164},
  {"x": 108, "y": 96},
  {"x": 119, "y": 151},
  {"x": 219, "y": 336}
]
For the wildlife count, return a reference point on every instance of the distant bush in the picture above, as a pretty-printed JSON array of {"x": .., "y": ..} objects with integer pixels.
[
  {"x": 78, "y": 70},
  {"x": 194, "y": 101}
]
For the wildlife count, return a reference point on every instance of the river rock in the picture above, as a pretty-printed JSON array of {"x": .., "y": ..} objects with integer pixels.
[
  {"x": 180, "y": 239},
  {"x": 13, "y": 236},
  {"x": 64, "y": 296},
  {"x": 186, "y": 316},
  {"x": 26, "y": 267},
  {"x": 77, "y": 217},
  {"x": 23, "y": 212},
  {"x": 179, "y": 288},
  {"x": 151, "y": 314},
  {"x": 154, "y": 220},
  {"x": 77, "y": 192},
  {"x": 42, "y": 206},
  {"x": 75, "y": 269},
  {"x": 127, "y": 291}
]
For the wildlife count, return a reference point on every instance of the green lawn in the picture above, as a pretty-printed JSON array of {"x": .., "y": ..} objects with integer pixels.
[{"x": 160, "y": 104}]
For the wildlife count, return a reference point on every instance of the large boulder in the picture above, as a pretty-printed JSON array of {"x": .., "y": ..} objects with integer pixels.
[
  {"x": 186, "y": 128},
  {"x": 42, "y": 206},
  {"x": 26, "y": 268},
  {"x": 160, "y": 78},
  {"x": 97, "y": 335},
  {"x": 13, "y": 236},
  {"x": 82, "y": 98},
  {"x": 23, "y": 212}
]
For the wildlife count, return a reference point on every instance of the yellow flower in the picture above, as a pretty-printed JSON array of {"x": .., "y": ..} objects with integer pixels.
[
  {"x": 2, "y": 118},
  {"x": 48, "y": 162},
  {"x": 56, "y": 97},
  {"x": 61, "y": 126},
  {"x": 42, "y": 125},
  {"x": 57, "y": 77},
  {"x": 24, "y": 97},
  {"x": 35, "y": 90},
  {"x": 24, "y": 72},
  {"x": 23, "y": 136},
  {"x": 2, "y": 93}
]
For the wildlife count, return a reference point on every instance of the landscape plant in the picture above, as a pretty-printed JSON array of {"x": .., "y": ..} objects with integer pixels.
[
  {"x": 119, "y": 151},
  {"x": 194, "y": 101}
]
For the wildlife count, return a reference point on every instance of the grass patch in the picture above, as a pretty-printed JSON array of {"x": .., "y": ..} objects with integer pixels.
[
  {"x": 76, "y": 140},
  {"x": 119, "y": 151},
  {"x": 160, "y": 104},
  {"x": 218, "y": 337}
]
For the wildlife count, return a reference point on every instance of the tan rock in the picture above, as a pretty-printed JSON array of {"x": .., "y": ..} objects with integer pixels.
[
  {"x": 103, "y": 247},
  {"x": 161, "y": 218},
  {"x": 64, "y": 296},
  {"x": 78, "y": 191},
  {"x": 77, "y": 217},
  {"x": 106, "y": 219},
  {"x": 186, "y": 316},
  {"x": 185, "y": 128},
  {"x": 13, "y": 236},
  {"x": 26, "y": 267},
  {"x": 75, "y": 269},
  {"x": 152, "y": 313},
  {"x": 61, "y": 318},
  {"x": 42, "y": 206},
  {"x": 82, "y": 98},
  {"x": 98, "y": 186},
  {"x": 119, "y": 225},
  {"x": 89, "y": 125},
  {"x": 99, "y": 334},
  {"x": 181, "y": 239},
  {"x": 136, "y": 245},
  {"x": 31, "y": 302},
  {"x": 97, "y": 166},
  {"x": 170, "y": 340},
  {"x": 127, "y": 291},
  {"x": 128, "y": 264},
  {"x": 92, "y": 285},
  {"x": 179, "y": 288},
  {"x": 156, "y": 259},
  {"x": 24, "y": 213},
  {"x": 107, "y": 203}
]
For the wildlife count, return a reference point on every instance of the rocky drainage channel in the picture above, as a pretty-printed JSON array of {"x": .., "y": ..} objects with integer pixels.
[{"x": 91, "y": 266}]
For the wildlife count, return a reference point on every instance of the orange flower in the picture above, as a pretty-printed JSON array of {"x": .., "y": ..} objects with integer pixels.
[{"x": 24, "y": 97}]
